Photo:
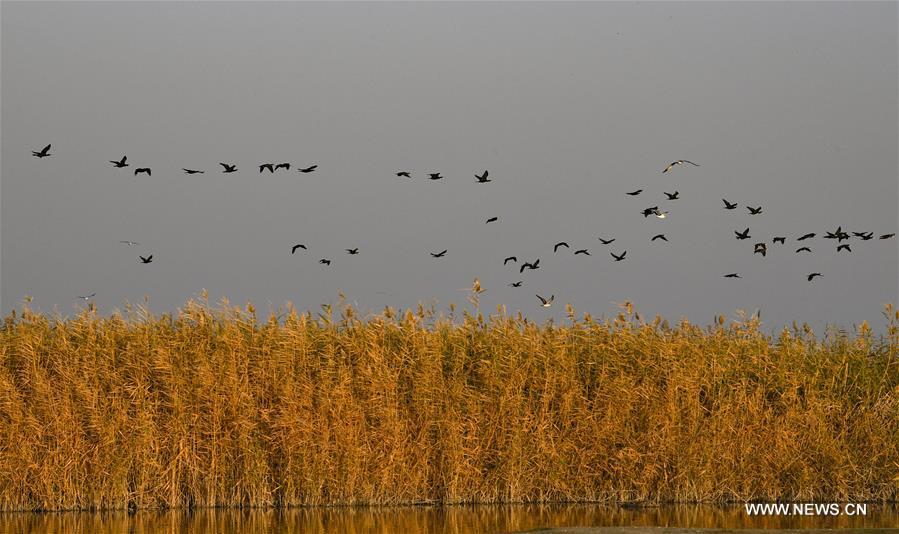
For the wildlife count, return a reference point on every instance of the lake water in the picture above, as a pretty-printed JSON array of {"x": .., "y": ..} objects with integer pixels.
[{"x": 451, "y": 519}]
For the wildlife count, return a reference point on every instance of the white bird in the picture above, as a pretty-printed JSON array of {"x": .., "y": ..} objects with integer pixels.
[
  {"x": 546, "y": 303},
  {"x": 87, "y": 297},
  {"x": 678, "y": 162},
  {"x": 130, "y": 243}
]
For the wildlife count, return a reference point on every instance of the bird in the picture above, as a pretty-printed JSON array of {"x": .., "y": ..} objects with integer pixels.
[
  {"x": 650, "y": 211},
  {"x": 482, "y": 179},
  {"x": 761, "y": 248},
  {"x": 582, "y": 251},
  {"x": 781, "y": 240},
  {"x": 516, "y": 284},
  {"x": 606, "y": 241},
  {"x": 192, "y": 171},
  {"x": 148, "y": 259},
  {"x": 492, "y": 219},
  {"x": 228, "y": 168},
  {"x": 659, "y": 236},
  {"x": 732, "y": 275},
  {"x": 811, "y": 276},
  {"x": 404, "y": 174},
  {"x": 121, "y": 163},
  {"x": 754, "y": 211},
  {"x": 866, "y": 237},
  {"x": 308, "y": 169},
  {"x": 546, "y": 303},
  {"x": 143, "y": 170},
  {"x": 806, "y": 236},
  {"x": 560, "y": 244},
  {"x": 618, "y": 258},
  {"x": 742, "y": 235},
  {"x": 352, "y": 250},
  {"x": 435, "y": 176},
  {"x": 510, "y": 258},
  {"x": 323, "y": 261},
  {"x": 531, "y": 266},
  {"x": 285, "y": 166},
  {"x": 728, "y": 205},
  {"x": 672, "y": 196},
  {"x": 295, "y": 247},
  {"x": 439, "y": 254},
  {"x": 662, "y": 214},
  {"x": 887, "y": 236},
  {"x": 844, "y": 247},
  {"x": 635, "y": 193},
  {"x": 678, "y": 162},
  {"x": 43, "y": 153},
  {"x": 803, "y": 249},
  {"x": 87, "y": 297},
  {"x": 130, "y": 243},
  {"x": 269, "y": 166}
]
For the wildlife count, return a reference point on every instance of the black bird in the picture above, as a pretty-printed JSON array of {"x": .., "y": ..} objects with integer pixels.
[
  {"x": 324, "y": 261},
  {"x": 191, "y": 171},
  {"x": 728, "y": 205},
  {"x": 761, "y": 248},
  {"x": 144, "y": 170},
  {"x": 285, "y": 166},
  {"x": 839, "y": 234},
  {"x": 672, "y": 196},
  {"x": 887, "y": 236},
  {"x": 439, "y": 254},
  {"x": 635, "y": 193},
  {"x": 618, "y": 258},
  {"x": 678, "y": 162},
  {"x": 352, "y": 250},
  {"x": 435, "y": 176},
  {"x": 43, "y": 153},
  {"x": 269, "y": 166},
  {"x": 546, "y": 303},
  {"x": 732, "y": 275},
  {"x": 782, "y": 240},
  {"x": 659, "y": 236},
  {"x": 806, "y": 236},
  {"x": 293, "y": 249},
  {"x": 531, "y": 266},
  {"x": 582, "y": 251},
  {"x": 560, "y": 244},
  {"x": 803, "y": 249},
  {"x": 121, "y": 163},
  {"x": 492, "y": 219},
  {"x": 860, "y": 234},
  {"x": 743, "y": 235},
  {"x": 516, "y": 284},
  {"x": 88, "y": 297},
  {"x": 228, "y": 168},
  {"x": 483, "y": 178},
  {"x": 650, "y": 211},
  {"x": 404, "y": 174},
  {"x": 811, "y": 276},
  {"x": 844, "y": 247},
  {"x": 754, "y": 211},
  {"x": 865, "y": 237},
  {"x": 510, "y": 258},
  {"x": 308, "y": 169},
  {"x": 148, "y": 259}
]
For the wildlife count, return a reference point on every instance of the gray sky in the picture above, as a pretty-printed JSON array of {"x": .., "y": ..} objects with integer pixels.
[{"x": 792, "y": 106}]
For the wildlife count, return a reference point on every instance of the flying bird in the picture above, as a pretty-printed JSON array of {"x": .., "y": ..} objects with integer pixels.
[
  {"x": 439, "y": 254},
  {"x": 510, "y": 258},
  {"x": 228, "y": 168},
  {"x": 803, "y": 249},
  {"x": 143, "y": 170},
  {"x": 308, "y": 169},
  {"x": 531, "y": 266},
  {"x": 728, "y": 205},
  {"x": 844, "y": 247},
  {"x": 295, "y": 247},
  {"x": 269, "y": 166},
  {"x": 324, "y": 261},
  {"x": 635, "y": 193},
  {"x": 43, "y": 153},
  {"x": 806, "y": 236},
  {"x": 560, "y": 244},
  {"x": 732, "y": 275},
  {"x": 662, "y": 214},
  {"x": 404, "y": 174},
  {"x": 781, "y": 240},
  {"x": 606, "y": 241},
  {"x": 87, "y": 297},
  {"x": 761, "y": 248},
  {"x": 482, "y": 179},
  {"x": 148, "y": 259},
  {"x": 866, "y": 237},
  {"x": 516, "y": 284},
  {"x": 285, "y": 166},
  {"x": 492, "y": 219},
  {"x": 659, "y": 236},
  {"x": 130, "y": 243},
  {"x": 678, "y": 162},
  {"x": 754, "y": 211},
  {"x": 618, "y": 258},
  {"x": 121, "y": 163},
  {"x": 192, "y": 171},
  {"x": 742, "y": 235},
  {"x": 352, "y": 250},
  {"x": 582, "y": 251},
  {"x": 546, "y": 303},
  {"x": 672, "y": 196},
  {"x": 811, "y": 276},
  {"x": 887, "y": 236},
  {"x": 650, "y": 211},
  {"x": 435, "y": 176}
]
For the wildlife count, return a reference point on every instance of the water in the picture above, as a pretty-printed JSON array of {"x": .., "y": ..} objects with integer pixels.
[{"x": 452, "y": 519}]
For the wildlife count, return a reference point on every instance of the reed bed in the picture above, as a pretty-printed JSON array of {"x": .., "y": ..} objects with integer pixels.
[{"x": 212, "y": 406}]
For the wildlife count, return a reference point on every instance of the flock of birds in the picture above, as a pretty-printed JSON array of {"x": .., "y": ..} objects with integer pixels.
[{"x": 759, "y": 248}]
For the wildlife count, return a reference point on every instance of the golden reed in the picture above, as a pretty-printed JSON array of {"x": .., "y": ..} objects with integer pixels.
[{"x": 213, "y": 407}]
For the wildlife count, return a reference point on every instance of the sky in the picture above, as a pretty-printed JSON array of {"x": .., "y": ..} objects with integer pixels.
[{"x": 787, "y": 105}]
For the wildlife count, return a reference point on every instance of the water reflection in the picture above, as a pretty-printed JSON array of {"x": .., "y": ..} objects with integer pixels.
[{"x": 451, "y": 519}]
